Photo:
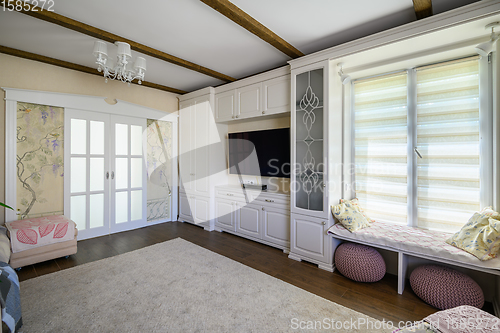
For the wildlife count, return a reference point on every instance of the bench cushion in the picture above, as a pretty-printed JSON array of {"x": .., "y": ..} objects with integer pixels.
[{"x": 412, "y": 240}]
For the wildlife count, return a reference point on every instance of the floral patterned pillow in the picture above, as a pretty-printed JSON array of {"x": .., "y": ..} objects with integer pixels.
[
  {"x": 480, "y": 236},
  {"x": 355, "y": 202},
  {"x": 349, "y": 216}
]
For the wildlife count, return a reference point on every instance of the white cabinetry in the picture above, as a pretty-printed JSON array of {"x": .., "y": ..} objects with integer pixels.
[
  {"x": 248, "y": 222},
  {"x": 276, "y": 225},
  {"x": 184, "y": 209},
  {"x": 225, "y": 105},
  {"x": 194, "y": 208},
  {"x": 276, "y": 95},
  {"x": 248, "y": 101},
  {"x": 202, "y": 157},
  {"x": 308, "y": 238},
  {"x": 224, "y": 214},
  {"x": 263, "y": 217},
  {"x": 310, "y": 142},
  {"x": 260, "y": 95}
]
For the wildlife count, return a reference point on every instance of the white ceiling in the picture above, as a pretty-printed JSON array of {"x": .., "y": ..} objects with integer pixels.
[{"x": 193, "y": 31}]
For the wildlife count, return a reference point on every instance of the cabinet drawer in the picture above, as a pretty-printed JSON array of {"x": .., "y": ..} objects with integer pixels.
[
  {"x": 266, "y": 199},
  {"x": 230, "y": 194}
]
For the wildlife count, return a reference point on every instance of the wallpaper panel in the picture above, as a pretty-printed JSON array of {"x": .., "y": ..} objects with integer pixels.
[
  {"x": 159, "y": 168},
  {"x": 40, "y": 172}
]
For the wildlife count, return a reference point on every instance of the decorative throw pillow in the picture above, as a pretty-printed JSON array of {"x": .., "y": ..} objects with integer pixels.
[
  {"x": 349, "y": 216},
  {"x": 355, "y": 202},
  {"x": 480, "y": 236},
  {"x": 490, "y": 212}
]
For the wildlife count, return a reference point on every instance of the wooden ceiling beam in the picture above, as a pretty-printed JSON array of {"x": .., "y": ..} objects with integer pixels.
[
  {"x": 423, "y": 8},
  {"x": 235, "y": 14},
  {"x": 89, "y": 30},
  {"x": 76, "y": 67}
]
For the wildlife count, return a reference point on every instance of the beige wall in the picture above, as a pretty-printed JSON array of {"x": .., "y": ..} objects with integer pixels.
[{"x": 27, "y": 74}]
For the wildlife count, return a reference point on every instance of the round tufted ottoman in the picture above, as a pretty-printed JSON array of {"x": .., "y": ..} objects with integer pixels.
[
  {"x": 445, "y": 288},
  {"x": 359, "y": 262}
]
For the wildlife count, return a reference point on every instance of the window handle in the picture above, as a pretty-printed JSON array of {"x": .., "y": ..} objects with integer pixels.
[{"x": 418, "y": 153}]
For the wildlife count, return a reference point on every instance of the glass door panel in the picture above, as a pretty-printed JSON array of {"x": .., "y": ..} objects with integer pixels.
[
  {"x": 85, "y": 171},
  {"x": 309, "y": 146},
  {"x": 128, "y": 197},
  {"x": 79, "y": 211}
]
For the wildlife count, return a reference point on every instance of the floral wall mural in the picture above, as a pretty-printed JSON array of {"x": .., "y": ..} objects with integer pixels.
[
  {"x": 40, "y": 176},
  {"x": 159, "y": 167}
]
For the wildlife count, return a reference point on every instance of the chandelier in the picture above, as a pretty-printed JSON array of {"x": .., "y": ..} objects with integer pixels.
[{"x": 119, "y": 71}]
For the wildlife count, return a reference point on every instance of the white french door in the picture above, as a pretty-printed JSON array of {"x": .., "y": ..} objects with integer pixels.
[
  {"x": 104, "y": 173},
  {"x": 128, "y": 174}
]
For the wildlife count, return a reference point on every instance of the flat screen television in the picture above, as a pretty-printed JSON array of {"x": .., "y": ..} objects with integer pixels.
[{"x": 260, "y": 153}]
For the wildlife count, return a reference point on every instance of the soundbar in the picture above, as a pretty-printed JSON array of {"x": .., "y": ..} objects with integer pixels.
[{"x": 255, "y": 187}]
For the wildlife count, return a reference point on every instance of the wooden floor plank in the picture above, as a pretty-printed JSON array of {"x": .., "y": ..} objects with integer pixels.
[{"x": 379, "y": 300}]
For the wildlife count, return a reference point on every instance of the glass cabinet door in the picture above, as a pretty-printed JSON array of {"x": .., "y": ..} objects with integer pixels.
[{"x": 309, "y": 145}]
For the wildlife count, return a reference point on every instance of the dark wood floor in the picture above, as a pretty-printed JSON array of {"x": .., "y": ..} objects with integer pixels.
[{"x": 379, "y": 300}]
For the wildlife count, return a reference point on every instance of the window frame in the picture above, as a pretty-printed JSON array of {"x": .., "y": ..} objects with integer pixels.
[{"x": 486, "y": 132}]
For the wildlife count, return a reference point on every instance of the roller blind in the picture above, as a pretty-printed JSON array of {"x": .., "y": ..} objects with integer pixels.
[
  {"x": 380, "y": 146},
  {"x": 448, "y": 174}
]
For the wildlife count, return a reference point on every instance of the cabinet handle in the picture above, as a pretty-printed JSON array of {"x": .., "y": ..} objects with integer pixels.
[
  {"x": 112, "y": 175},
  {"x": 263, "y": 112},
  {"x": 323, "y": 223},
  {"x": 263, "y": 208},
  {"x": 237, "y": 116},
  {"x": 107, "y": 175},
  {"x": 233, "y": 117},
  {"x": 229, "y": 194},
  {"x": 267, "y": 200}
]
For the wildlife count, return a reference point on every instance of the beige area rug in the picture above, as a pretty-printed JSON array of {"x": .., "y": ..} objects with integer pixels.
[{"x": 177, "y": 286}]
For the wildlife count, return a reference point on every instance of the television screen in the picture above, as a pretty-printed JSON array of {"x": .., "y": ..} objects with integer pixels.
[{"x": 260, "y": 153}]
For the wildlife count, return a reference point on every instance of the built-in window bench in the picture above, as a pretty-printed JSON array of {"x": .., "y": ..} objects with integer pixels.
[{"x": 409, "y": 242}]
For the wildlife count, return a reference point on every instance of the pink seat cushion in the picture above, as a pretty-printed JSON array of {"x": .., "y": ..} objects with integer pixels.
[
  {"x": 445, "y": 288},
  {"x": 359, "y": 262},
  {"x": 464, "y": 319}
]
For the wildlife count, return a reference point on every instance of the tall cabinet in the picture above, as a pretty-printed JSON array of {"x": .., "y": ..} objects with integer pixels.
[
  {"x": 201, "y": 157},
  {"x": 310, "y": 197}
]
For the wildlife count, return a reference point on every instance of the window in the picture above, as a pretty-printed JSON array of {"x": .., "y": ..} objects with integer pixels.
[
  {"x": 417, "y": 147},
  {"x": 380, "y": 141}
]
